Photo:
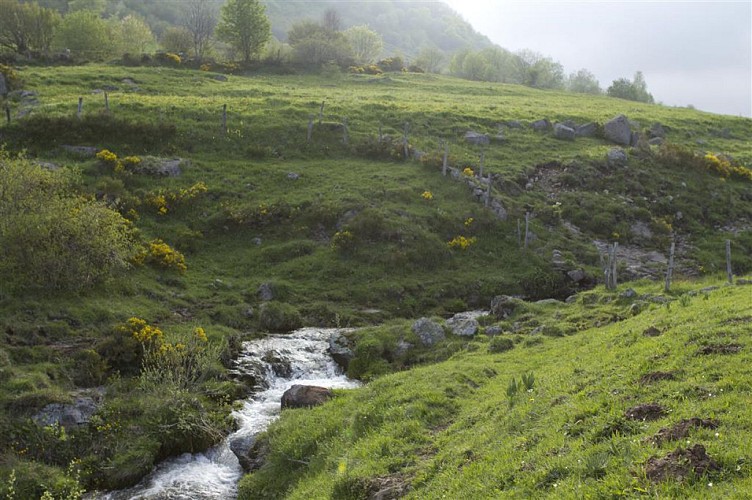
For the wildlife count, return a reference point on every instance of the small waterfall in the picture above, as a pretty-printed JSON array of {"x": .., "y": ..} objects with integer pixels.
[{"x": 277, "y": 362}]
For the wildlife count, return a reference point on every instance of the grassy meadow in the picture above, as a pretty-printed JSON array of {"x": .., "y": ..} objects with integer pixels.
[{"x": 353, "y": 234}]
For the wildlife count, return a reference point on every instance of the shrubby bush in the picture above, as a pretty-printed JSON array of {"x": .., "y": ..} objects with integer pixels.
[
  {"x": 279, "y": 317},
  {"x": 52, "y": 238}
]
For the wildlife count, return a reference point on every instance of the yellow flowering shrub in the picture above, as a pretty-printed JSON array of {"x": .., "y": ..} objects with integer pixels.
[
  {"x": 164, "y": 200},
  {"x": 469, "y": 222},
  {"x": 461, "y": 243},
  {"x": 163, "y": 255},
  {"x": 173, "y": 58},
  {"x": 343, "y": 241},
  {"x": 146, "y": 335},
  {"x": 118, "y": 165},
  {"x": 427, "y": 195},
  {"x": 468, "y": 172},
  {"x": 205, "y": 67}
]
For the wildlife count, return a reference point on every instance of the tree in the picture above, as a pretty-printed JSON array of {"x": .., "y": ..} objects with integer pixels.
[
  {"x": 365, "y": 43},
  {"x": 177, "y": 39},
  {"x": 97, "y": 6},
  {"x": 332, "y": 20},
  {"x": 134, "y": 35},
  {"x": 583, "y": 82},
  {"x": 315, "y": 45},
  {"x": 431, "y": 59},
  {"x": 85, "y": 34},
  {"x": 26, "y": 27},
  {"x": 635, "y": 90},
  {"x": 200, "y": 21},
  {"x": 535, "y": 70},
  {"x": 244, "y": 25}
]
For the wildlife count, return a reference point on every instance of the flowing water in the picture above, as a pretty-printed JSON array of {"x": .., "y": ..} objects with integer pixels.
[{"x": 277, "y": 362}]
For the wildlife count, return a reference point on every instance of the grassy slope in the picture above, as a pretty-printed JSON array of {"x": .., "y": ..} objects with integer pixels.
[
  {"x": 449, "y": 429},
  {"x": 400, "y": 265}
]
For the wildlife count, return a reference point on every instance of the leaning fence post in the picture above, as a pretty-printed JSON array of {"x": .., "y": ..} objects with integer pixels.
[
  {"x": 670, "y": 269},
  {"x": 446, "y": 159},
  {"x": 405, "y": 141},
  {"x": 321, "y": 112},
  {"x": 310, "y": 129},
  {"x": 519, "y": 234},
  {"x": 729, "y": 272},
  {"x": 80, "y": 106},
  {"x": 224, "y": 118},
  {"x": 344, "y": 131}
]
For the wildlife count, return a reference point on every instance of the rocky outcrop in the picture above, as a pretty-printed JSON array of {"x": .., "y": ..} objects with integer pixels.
[
  {"x": 563, "y": 132},
  {"x": 502, "y": 306},
  {"x": 428, "y": 331},
  {"x": 586, "y": 130},
  {"x": 82, "y": 151},
  {"x": 616, "y": 157},
  {"x": 476, "y": 138},
  {"x": 340, "y": 349},
  {"x": 251, "y": 452},
  {"x": 463, "y": 324},
  {"x": 265, "y": 292},
  {"x": 541, "y": 125},
  {"x": 618, "y": 130},
  {"x": 305, "y": 396},
  {"x": 71, "y": 415}
]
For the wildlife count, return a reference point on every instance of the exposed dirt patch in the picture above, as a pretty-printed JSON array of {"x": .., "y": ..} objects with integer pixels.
[
  {"x": 682, "y": 429},
  {"x": 740, "y": 320},
  {"x": 680, "y": 464},
  {"x": 388, "y": 488},
  {"x": 650, "y": 378},
  {"x": 652, "y": 332},
  {"x": 719, "y": 349},
  {"x": 647, "y": 412}
]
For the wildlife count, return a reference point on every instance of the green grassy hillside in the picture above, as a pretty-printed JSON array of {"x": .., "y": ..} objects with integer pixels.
[
  {"x": 591, "y": 422},
  {"x": 340, "y": 234}
]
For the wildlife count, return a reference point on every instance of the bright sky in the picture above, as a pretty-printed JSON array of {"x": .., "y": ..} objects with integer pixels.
[{"x": 697, "y": 53}]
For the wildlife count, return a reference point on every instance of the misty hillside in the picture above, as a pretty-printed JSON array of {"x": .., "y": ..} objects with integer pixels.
[{"x": 406, "y": 27}]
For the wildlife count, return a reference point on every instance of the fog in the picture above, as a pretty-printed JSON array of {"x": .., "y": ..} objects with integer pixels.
[{"x": 691, "y": 53}]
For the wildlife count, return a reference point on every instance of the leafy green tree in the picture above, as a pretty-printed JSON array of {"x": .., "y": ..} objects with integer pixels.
[
  {"x": 133, "y": 36},
  {"x": 177, "y": 39},
  {"x": 431, "y": 59},
  {"x": 244, "y": 25},
  {"x": 97, "y": 6},
  {"x": 52, "y": 238},
  {"x": 365, "y": 43},
  {"x": 535, "y": 70},
  {"x": 635, "y": 90},
  {"x": 26, "y": 27},
  {"x": 85, "y": 34},
  {"x": 200, "y": 20},
  {"x": 583, "y": 82},
  {"x": 315, "y": 44}
]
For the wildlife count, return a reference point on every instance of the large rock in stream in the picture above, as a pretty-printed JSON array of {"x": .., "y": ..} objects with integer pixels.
[{"x": 305, "y": 396}]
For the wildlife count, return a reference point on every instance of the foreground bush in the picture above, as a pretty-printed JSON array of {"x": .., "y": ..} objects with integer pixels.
[{"x": 52, "y": 238}]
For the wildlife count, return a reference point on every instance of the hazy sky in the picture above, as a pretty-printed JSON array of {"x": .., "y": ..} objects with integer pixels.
[{"x": 697, "y": 53}]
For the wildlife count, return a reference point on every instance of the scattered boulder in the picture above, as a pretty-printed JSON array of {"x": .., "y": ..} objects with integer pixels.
[
  {"x": 305, "y": 396},
  {"x": 402, "y": 348},
  {"x": 618, "y": 130},
  {"x": 476, "y": 138},
  {"x": 48, "y": 165},
  {"x": 265, "y": 292},
  {"x": 646, "y": 412},
  {"x": 576, "y": 275},
  {"x": 502, "y": 306},
  {"x": 656, "y": 130},
  {"x": 498, "y": 209},
  {"x": 82, "y": 151},
  {"x": 293, "y": 176},
  {"x": 616, "y": 157},
  {"x": 220, "y": 78},
  {"x": 641, "y": 230},
  {"x": 165, "y": 167},
  {"x": 652, "y": 332},
  {"x": 587, "y": 130},
  {"x": 463, "y": 325},
  {"x": 656, "y": 141},
  {"x": 563, "y": 132},
  {"x": 251, "y": 453},
  {"x": 493, "y": 331},
  {"x": 680, "y": 464},
  {"x": 513, "y": 124},
  {"x": 682, "y": 429},
  {"x": 67, "y": 415},
  {"x": 541, "y": 125},
  {"x": 340, "y": 349},
  {"x": 629, "y": 293},
  {"x": 742, "y": 281},
  {"x": 428, "y": 331}
]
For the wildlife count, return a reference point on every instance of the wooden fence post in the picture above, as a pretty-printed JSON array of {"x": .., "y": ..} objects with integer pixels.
[
  {"x": 729, "y": 272},
  {"x": 310, "y": 129},
  {"x": 7, "y": 112},
  {"x": 482, "y": 160},
  {"x": 381, "y": 134},
  {"x": 321, "y": 112},
  {"x": 345, "y": 139},
  {"x": 80, "y": 106},
  {"x": 670, "y": 270},
  {"x": 106, "y": 102},
  {"x": 527, "y": 229},
  {"x": 405, "y": 142},
  {"x": 224, "y": 119},
  {"x": 611, "y": 280},
  {"x": 488, "y": 192},
  {"x": 519, "y": 233},
  {"x": 445, "y": 164}
]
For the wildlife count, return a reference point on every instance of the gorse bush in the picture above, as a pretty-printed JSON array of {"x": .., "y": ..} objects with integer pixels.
[{"x": 52, "y": 238}]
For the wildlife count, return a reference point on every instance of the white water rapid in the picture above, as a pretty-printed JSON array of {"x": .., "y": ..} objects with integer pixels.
[{"x": 278, "y": 362}]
